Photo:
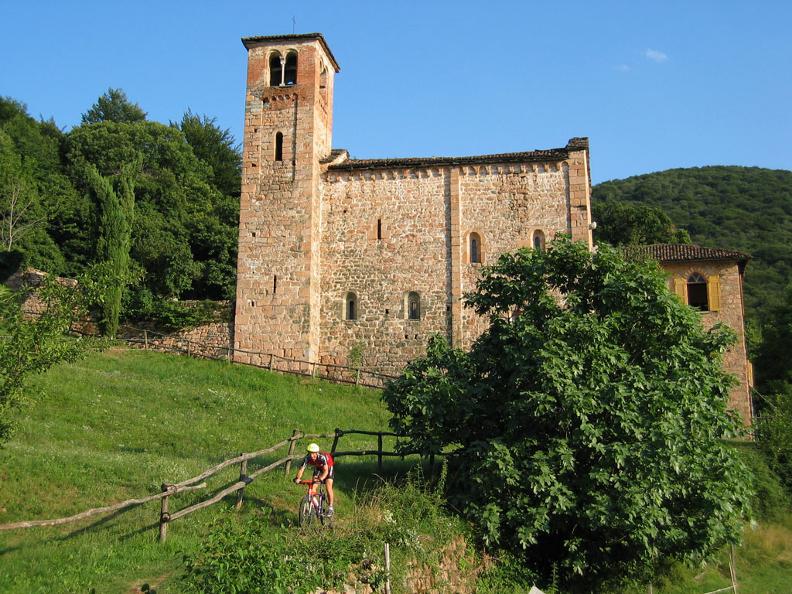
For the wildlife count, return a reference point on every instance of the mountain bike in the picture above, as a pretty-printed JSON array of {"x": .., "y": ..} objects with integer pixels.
[{"x": 313, "y": 506}]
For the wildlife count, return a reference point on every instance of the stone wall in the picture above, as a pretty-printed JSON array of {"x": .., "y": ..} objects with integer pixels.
[
  {"x": 426, "y": 216},
  {"x": 277, "y": 308}
]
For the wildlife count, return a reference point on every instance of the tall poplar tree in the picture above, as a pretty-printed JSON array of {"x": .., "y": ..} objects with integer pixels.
[{"x": 117, "y": 210}]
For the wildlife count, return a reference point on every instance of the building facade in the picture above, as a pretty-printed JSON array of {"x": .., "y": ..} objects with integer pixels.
[
  {"x": 337, "y": 254},
  {"x": 342, "y": 258}
]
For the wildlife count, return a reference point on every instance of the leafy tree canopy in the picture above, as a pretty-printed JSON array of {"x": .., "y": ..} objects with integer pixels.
[
  {"x": 185, "y": 231},
  {"x": 114, "y": 106},
  {"x": 216, "y": 147},
  {"x": 624, "y": 223},
  {"x": 586, "y": 422}
]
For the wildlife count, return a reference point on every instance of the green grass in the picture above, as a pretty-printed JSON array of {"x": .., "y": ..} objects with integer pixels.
[{"x": 118, "y": 424}]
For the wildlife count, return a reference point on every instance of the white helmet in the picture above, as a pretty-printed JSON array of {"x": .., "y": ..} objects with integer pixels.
[{"x": 312, "y": 447}]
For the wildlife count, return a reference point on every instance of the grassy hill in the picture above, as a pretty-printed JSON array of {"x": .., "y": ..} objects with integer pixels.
[
  {"x": 743, "y": 208},
  {"x": 118, "y": 424}
]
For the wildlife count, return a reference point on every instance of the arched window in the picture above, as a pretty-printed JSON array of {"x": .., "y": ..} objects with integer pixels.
[
  {"x": 475, "y": 248},
  {"x": 276, "y": 69},
  {"x": 351, "y": 307},
  {"x": 697, "y": 292},
  {"x": 413, "y": 306},
  {"x": 539, "y": 240},
  {"x": 279, "y": 146},
  {"x": 290, "y": 77}
]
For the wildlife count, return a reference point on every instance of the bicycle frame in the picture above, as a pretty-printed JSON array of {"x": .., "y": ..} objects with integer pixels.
[{"x": 312, "y": 504}]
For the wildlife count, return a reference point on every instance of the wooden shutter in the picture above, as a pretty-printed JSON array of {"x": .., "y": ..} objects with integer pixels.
[
  {"x": 680, "y": 287},
  {"x": 713, "y": 292}
]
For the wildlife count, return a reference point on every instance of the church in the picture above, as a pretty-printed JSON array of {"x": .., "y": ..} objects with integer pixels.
[{"x": 340, "y": 256}]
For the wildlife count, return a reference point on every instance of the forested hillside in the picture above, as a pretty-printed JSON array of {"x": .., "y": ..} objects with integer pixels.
[
  {"x": 186, "y": 187},
  {"x": 743, "y": 208}
]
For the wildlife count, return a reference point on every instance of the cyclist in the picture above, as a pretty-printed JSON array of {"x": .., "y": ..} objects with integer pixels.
[{"x": 322, "y": 463}]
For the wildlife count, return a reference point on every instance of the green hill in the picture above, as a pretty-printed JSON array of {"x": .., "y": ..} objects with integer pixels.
[
  {"x": 118, "y": 424},
  {"x": 743, "y": 208}
]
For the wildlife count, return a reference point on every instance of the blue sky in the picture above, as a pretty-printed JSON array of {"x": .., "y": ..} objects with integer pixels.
[{"x": 654, "y": 84}]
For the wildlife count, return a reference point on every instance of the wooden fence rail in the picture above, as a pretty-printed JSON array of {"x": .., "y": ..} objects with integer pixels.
[
  {"x": 173, "y": 490},
  {"x": 149, "y": 339},
  {"x": 245, "y": 478}
]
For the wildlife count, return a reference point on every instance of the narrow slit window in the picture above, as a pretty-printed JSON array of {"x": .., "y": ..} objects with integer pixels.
[
  {"x": 539, "y": 240},
  {"x": 351, "y": 307},
  {"x": 274, "y": 284},
  {"x": 697, "y": 292},
  {"x": 475, "y": 248},
  {"x": 379, "y": 229},
  {"x": 279, "y": 146},
  {"x": 276, "y": 70},
  {"x": 323, "y": 82},
  {"x": 413, "y": 306},
  {"x": 290, "y": 74}
]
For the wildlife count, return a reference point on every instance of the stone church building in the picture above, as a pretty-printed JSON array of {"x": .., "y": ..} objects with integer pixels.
[{"x": 339, "y": 255}]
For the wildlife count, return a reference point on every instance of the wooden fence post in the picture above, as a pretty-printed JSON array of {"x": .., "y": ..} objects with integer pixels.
[
  {"x": 291, "y": 449},
  {"x": 270, "y": 363},
  {"x": 338, "y": 433},
  {"x": 379, "y": 452},
  {"x": 431, "y": 465},
  {"x": 145, "y": 339},
  {"x": 188, "y": 348},
  {"x": 387, "y": 569},
  {"x": 313, "y": 370},
  {"x": 242, "y": 477},
  {"x": 733, "y": 569},
  {"x": 164, "y": 515},
  {"x": 228, "y": 355}
]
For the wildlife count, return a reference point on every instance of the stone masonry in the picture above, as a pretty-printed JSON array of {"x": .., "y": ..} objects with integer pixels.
[{"x": 317, "y": 226}]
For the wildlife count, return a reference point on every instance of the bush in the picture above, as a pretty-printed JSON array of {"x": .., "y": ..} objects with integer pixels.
[
  {"x": 257, "y": 556},
  {"x": 770, "y": 501},
  {"x": 774, "y": 436},
  {"x": 172, "y": 315}
]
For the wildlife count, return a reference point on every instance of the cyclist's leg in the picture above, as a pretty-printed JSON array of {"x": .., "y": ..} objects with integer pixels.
[{"x": 329, "y": 485}]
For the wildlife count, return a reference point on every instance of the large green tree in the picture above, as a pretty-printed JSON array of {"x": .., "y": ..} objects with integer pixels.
[
  {"x": 184, "y": 238},
  {"x": 117, "y": 211},
  {"x": 587, "y": 422},
  {"x": 114, "y": 106},
  {"x": 625, "y": 223},
  {"x": 216, "y": 147}
]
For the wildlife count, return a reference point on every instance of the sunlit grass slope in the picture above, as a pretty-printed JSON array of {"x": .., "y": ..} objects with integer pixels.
[{"x": 118, "y": 424}]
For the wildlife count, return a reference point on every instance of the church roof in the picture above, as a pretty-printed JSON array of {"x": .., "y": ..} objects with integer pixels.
[
  {"x": 529, "y": 156},
  {"x": 554, "y": 154},
  {"x": 680, "y": 252},
  {"x": 248, "y": 41}
]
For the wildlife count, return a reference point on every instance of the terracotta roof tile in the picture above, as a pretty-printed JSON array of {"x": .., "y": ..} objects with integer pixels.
[
  {"x": 679, "y": 252},
  {"x": 525, "y": 157}
]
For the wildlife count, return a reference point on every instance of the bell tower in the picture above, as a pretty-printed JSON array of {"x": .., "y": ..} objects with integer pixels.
[{"x": 287, "y": 132}]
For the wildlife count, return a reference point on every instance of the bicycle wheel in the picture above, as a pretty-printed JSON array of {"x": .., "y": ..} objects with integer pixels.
[{"x": 306, "y": 512}]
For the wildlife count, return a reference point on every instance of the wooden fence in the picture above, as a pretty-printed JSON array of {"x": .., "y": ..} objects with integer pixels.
[
  {"x": 175, "y": 343},
  {"x": 169, "y": 490}
]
